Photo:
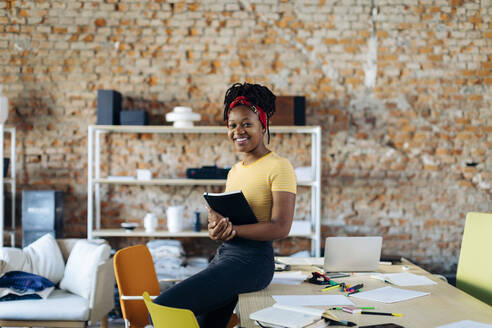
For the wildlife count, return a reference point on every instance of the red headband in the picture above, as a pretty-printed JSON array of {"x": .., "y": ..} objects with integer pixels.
[{"x": 241, "y": 100}]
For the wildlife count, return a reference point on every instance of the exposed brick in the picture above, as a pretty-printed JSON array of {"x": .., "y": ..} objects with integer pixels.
[
  {"x": 393, "y": 153},
  {"x": 100, "y": 22}
]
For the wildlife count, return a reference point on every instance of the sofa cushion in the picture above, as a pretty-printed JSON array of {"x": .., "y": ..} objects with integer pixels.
[
  {"x": 81, "y": 267},
  {"x": 13, "y": 259},
  {"x": 60, "y": 305},
  {"x": 46, "y": 258},
  {"x": 43, "y": 257}
]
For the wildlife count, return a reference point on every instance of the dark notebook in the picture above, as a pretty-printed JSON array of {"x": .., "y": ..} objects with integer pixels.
[{"x": 232, "y": 205}]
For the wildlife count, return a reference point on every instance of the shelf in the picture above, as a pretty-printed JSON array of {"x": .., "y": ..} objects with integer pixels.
[
  {"x": 96, "y": 180},
  {"x": 195, "y": 129},
  {"x": 178, "y": 182},
  {"x": 8, "y": 180},
  {"x": 162, "y": 233},
  {"x": 310, "y": 235},
  {"x": 142, "y": 233}
]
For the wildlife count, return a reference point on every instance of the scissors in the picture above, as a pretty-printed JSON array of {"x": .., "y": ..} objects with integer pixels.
[{"x": 320, "y": 279}]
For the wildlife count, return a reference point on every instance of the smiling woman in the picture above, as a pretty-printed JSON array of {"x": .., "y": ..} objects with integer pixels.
[
  {"x": 245, "y": 131},
  {"x": 244, "y": 262}
]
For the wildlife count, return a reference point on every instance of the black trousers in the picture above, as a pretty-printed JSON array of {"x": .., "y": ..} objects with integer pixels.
[{"x": 239, "y": 266}]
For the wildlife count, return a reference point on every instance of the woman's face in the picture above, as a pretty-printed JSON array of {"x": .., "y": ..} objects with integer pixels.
[{"x": 245, "y": 129}]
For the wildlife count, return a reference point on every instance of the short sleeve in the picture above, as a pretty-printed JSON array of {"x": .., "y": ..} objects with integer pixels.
[{"x": 282, "y": 177}]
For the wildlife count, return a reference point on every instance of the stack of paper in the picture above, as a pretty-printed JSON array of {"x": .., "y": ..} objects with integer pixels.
[
  {"x": 325, "y": 300},
  {"x": 289, "y": 278},
  {"x": 389, "y": 295},
  {"x": 287, "y": 316},
  {"x": 404, "y": 279}
]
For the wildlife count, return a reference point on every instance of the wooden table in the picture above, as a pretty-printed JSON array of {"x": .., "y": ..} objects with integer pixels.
[{"x": 445, "y": 304}]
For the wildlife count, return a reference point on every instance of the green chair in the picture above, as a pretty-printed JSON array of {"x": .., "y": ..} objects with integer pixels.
[{"x": 474, "y": 274}]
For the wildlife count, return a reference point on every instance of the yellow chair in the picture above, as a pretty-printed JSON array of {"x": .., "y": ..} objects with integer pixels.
[
  {"x": 168, "y": 317},
  {"x": 135, "y": 273},
  {"x": 474, "y": 274}
]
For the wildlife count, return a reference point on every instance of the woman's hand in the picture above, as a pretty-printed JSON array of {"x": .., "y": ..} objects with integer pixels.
[{"x": 219, "y": 227}]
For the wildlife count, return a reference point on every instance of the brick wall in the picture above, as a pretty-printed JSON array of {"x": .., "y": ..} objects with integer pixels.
[{"x": 400, "y": 88}]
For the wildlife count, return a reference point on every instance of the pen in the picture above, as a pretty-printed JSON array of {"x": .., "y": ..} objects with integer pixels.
[
  {"x": 360, "y": 307},
  {"x": 382, "y": 313}
]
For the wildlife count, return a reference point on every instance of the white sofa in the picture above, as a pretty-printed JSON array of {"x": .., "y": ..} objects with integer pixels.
[{"x": 78, "y": 303}]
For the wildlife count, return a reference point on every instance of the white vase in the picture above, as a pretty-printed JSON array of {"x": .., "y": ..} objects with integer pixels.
[
  {"x": 182, "y": 117},
  {"x": 175, "y": 218},
  {"x": 150, "y": 222}
]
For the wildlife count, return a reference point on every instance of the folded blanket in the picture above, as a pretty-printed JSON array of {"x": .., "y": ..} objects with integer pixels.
[{"x": 16, "y": 285}]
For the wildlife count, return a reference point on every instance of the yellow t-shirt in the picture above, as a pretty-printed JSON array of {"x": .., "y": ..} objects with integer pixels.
[{"x": 259, "y": 179}]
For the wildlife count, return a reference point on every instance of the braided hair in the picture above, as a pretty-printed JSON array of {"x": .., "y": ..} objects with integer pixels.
[{"x": 256, "y": 94}]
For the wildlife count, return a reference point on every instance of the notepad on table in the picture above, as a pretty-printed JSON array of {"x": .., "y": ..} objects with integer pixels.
[
  {"x": 404, "y": 279},
  {"x": 232, "y": 205},
  {"x": 289, "y": 278},
  {"x": 287, "y": 316},
  {"x": 389, "y": 294}
]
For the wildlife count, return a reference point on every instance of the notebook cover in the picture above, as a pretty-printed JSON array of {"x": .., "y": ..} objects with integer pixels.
[{"x": 232, "y": 205}]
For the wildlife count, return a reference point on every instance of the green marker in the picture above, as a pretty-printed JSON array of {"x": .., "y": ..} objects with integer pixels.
[{"x": 360, "y": 307}]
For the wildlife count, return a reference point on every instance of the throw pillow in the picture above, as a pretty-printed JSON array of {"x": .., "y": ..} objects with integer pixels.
[
  {"x": 81, "y": 267},
  {"x": 13, "y": 259},
  {"x": 45, "y": 258}
]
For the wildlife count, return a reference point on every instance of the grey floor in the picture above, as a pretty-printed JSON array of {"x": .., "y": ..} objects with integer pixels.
[{"x": 116, "y": 323}]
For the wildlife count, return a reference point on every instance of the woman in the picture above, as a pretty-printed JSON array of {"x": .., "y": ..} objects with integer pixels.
[{"x": 244, "y": 262}]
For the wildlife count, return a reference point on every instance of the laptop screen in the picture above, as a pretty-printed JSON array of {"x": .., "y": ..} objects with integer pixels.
[{"x": 352, "y": 254}]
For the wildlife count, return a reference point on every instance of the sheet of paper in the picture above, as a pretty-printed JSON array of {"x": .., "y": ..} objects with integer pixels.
[
  {"x": 324, "y": 300},
  {"x": 408, "y": 279},
  {"x": 363, "y": 274},
  {"x": 302, "y": 309},
  {"x": 466, "y": 324},
  {"x": 289, "y": 278},
  {"x": 389, "y": 295},
  {"x": 277, "y": 317},
  {"x": 301, "y": 260}
]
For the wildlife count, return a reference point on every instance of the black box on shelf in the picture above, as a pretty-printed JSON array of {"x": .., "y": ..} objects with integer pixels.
[
  {"x": 108, "y": 107},
  {"x": 134, "y": 117},
  {"x": 290, "y": 110},
  {"x": 42, "y": 212},
  {"x": 207, "y": 172}
]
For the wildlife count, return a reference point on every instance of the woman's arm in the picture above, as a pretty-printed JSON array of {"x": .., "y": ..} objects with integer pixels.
[{"x": 279, "y": 227}]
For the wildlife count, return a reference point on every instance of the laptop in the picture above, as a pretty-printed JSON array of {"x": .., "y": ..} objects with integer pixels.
[{"x": 352, "y": 254}]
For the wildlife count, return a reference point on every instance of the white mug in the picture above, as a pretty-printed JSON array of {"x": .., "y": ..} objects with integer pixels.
[
  {"x": 150, "y": 222},
  {"x": 175, "y": 218}
]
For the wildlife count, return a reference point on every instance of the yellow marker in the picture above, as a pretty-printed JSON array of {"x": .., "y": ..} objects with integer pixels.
[{"x": 328, "y": 288}]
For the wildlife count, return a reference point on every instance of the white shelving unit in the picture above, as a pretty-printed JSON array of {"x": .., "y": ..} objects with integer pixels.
[
  {"x": 94, "y": 181},
  {"x": 7, "y": 181}
]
